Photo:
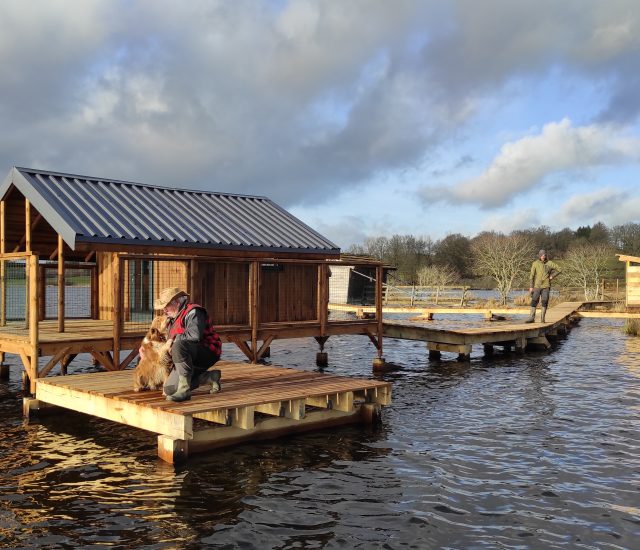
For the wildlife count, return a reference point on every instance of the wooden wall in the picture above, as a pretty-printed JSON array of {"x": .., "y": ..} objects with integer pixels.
[
  {"x": 105, "y": 262},
  {"x": 223, "y": 289},
  {"x": 633, "y": 285},
  {"x": 288, "y": 293}
]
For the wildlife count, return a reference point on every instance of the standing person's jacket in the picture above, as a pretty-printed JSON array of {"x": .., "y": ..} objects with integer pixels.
[{"x": 541, "y": 272}]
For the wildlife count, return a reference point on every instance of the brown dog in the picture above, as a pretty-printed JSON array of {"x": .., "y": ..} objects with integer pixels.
[{"x": 155, "y": 362}]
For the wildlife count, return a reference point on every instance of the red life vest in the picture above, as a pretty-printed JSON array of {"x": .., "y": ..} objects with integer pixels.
[{"x": 210, "y": 338}]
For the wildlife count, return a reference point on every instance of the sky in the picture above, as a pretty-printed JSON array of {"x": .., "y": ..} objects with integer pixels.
[{"x": 362, "y": 118}]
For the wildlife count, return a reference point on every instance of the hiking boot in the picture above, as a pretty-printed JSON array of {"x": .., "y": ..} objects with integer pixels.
[
  {"x": 211, "y": 377},
  {"x": 532, "y": 316},
  {"x": 183, "y": 393}
]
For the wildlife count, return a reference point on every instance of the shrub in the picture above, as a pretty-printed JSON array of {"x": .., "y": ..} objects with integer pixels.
[{"x": 632, "y": 327}]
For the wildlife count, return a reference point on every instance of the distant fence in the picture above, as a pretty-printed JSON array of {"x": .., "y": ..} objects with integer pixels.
[{"x": 423, "y": 295}]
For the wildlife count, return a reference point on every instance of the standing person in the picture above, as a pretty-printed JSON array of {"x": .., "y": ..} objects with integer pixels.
[
  {"x": 195, "y": 345},
  {"x": 542, "y": 272}
]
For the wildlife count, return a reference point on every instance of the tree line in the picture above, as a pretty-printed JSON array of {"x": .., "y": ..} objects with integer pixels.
[{"x": 586, "y": 253}]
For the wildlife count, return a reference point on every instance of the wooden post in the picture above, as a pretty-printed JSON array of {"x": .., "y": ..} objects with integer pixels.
[
  {"x": 61, "y": 284},
  {"x": 29, "y": 281},
  {"x": 323, "y": 298},
  {"x": 194, "y": 288},
  {"x": 3, "y": 267},
  {"x": 94, "y": 292},
  {"x": 254, "y": 305},
  {"x": 33, "y": 319},
  {"x": 626, "y": 286},
  {"x": 42, "y": 289},
  {"x": 379, "y": 275},
  {"x": 117, "y": 308},
  {"x": 27, "y": 225}
]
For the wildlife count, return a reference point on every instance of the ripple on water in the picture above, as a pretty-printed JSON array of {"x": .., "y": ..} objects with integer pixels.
[{"x": 532, "y": 451}]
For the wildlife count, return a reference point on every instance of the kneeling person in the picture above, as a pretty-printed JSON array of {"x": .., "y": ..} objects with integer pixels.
[{"x": 195, "y": 345}]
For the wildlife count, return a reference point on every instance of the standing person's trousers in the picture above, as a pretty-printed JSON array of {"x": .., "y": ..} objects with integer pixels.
[{"x": 541, "y": 294}]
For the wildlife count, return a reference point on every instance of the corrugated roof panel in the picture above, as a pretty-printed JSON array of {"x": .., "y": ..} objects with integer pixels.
[{"x": 100, "y": 210}]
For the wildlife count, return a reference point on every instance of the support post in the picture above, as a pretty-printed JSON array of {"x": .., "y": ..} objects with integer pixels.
[
  {"x": 61, "y": 284},
  {"x": 323, "y": 298},
  {"x": 254, "y": 303},
  {"x": 95, "y": 308},
  {"x": 194, "y": 288},
  {"x": 172, "y": 450},
  {"x": 3, "y": 266},
  {"x": 379, "y": 275},
  {"x": 117, "y": 308},
  {"x": 4, "y": 369},
  {"x": 33, "y": 319},
  {"x": 27, "y": 225},
  {"x": 29, "y": 281}
]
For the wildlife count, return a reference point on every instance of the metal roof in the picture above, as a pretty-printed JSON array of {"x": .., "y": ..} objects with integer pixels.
[{"x": 97, "y": 210}]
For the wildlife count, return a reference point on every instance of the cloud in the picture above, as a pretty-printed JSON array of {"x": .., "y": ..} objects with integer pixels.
[
  {"x": 524, "y": 164},
  {"x": 296, "y": 99},
  {"x": 610, "y": 205},
  {"x": 506, "y": 223}
]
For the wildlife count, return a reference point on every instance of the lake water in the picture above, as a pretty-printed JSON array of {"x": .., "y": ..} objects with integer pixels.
[{"x": 521, "y": 451}]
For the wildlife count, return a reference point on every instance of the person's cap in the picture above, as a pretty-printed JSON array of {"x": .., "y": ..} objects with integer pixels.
[
  {"x": 167, "y": 295},
  {"x": 542, "y": 252}
]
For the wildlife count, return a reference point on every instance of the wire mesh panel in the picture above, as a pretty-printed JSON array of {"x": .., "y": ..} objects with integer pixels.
[
  {"x": 14, "y": 293},
  {"x": 352, "y": 291},
  {"x": 144, "y": 279},
  {"x": 77, "y": 291}
]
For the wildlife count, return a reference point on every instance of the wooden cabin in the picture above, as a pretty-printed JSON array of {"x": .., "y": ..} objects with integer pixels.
[
  {"x": 82, "y": 260},
  {"x": 632, "y": 277}
]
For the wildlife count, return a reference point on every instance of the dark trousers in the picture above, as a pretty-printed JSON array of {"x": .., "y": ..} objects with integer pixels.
[
  {"x": 541, "y": 294},
  {"x": 191, "y": 359}
]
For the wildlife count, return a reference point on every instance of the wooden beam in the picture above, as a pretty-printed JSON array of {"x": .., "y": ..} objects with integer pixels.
[
  {"x": 117, "y": 307},
  {"x": 29, "y": 228},
  {"x": 323, "y": 298},
  {"x": 172, "y": 450},
  {"x": 192, "y": 273},
  {"x": 254, "y": 307},
  {"x": 373, "y": 339},
  {"x": 132, "y": 355},
  {"x": 89, "y": 256},
  {"x": 53, "y": 362},
  {"x": 148, "y": 418},
  {"x": 3, "y": 282},
  {"x": 104, "y": 358},
  {"x": 379, "y": 275},
  {"x": 243, "y": 417},
  {"x": 33, "y": 317},
  {"x": 95, "y": 298},
  {"x": 244, "y": 348},
  {"x": 61, "y": 285},
  {"x": 265, "y": 345}
]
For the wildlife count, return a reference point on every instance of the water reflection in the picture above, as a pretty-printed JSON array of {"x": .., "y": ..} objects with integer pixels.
[
  {"x": 521, "y": 451},
  {"x": 60, "y": 476}
]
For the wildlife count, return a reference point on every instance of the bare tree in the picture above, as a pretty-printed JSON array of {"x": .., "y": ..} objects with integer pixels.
[
  {"x": 504, "y": 258},
  {"x": 585, "y": 265},
  {"x": 437, "y": 276}
]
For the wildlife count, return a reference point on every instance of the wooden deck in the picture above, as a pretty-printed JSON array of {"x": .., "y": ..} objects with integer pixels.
[
  {"x": 96, "y": 337},
  {"x": 460, "y": 341},
  {"x": 256, "y": 402}
]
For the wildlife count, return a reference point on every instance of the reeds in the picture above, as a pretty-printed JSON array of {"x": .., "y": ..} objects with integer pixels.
[{"x": 632, "y": 327}]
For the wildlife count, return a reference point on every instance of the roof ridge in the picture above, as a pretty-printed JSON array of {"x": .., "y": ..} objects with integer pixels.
[{"x": 139, "y": 184}]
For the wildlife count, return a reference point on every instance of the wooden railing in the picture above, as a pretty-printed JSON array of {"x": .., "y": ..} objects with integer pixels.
[{"x": 421, "y": 295}]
